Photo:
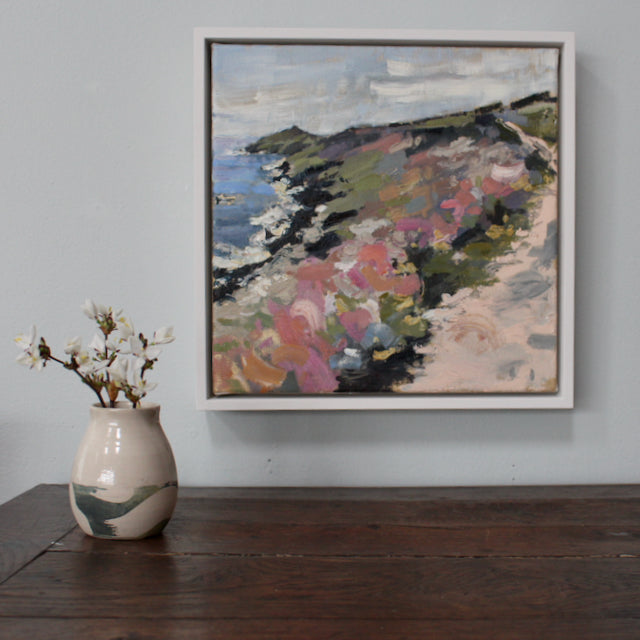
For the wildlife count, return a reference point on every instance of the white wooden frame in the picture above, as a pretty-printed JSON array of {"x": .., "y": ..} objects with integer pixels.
[{"x": 564, "y": 398}]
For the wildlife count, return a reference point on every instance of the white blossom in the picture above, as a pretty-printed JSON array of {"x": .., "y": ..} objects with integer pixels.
[
  {"x": 136, "y": 348},
  {"x": 98, "y": 343},
  {"x": 83, "y": 358},
  {"x": 93, "y": 310},
  {"x": 115, "y": 360},
  {"x": 93, "y": 368},
  {"x": 118, "y": 370},
  {"x": 30, "y": 356},
  {"x": 31, "y": 359},
  {"x": 164, "y": 335},
  {"x": 26, "y": 340},
  {"x": 85, "y": 364},
  {"x": 73, "y": 346},
  {"x": 125, "y": 328},
  {"x": 140, "y": 386},
  {"x": 98, "y": 311},
  {"x": 88, "y": 308}
]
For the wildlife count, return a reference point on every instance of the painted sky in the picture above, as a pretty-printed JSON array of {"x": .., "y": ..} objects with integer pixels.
[{"x": 261, "y": 89}]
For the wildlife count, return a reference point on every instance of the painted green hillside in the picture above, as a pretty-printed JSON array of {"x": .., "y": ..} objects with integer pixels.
[{"x": 386, "y": 222}]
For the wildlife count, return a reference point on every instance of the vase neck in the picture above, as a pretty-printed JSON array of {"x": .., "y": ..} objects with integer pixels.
[{"x": 146, "y": 413}]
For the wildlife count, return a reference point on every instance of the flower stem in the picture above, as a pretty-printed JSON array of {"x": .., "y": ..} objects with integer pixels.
[{"x": 83, "y": 378}]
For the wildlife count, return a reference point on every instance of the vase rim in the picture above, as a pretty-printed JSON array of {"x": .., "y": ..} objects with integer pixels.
[{"x": 127, "y": 406}]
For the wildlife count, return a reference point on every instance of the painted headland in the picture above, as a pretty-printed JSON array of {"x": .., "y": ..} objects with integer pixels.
[{"x": 413, "y": 256}]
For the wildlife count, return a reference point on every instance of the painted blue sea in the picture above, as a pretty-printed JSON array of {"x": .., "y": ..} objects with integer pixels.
[{"x": 242, "y": 190}]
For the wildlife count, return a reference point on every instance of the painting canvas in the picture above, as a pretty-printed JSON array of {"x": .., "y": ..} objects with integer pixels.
[{"x": 384, "y": 219}]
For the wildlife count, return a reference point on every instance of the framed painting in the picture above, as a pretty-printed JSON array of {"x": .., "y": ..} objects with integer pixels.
[{"x": 384, "y": 219}]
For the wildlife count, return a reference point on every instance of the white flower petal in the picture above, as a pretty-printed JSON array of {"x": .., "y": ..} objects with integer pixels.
[
  {"x": 164, "y": 335},
  {"x": 98, "y": 343},
  {"x": 118, "y": 370},
  {"x": 135, "y": 346},
  {"x": 23, "y": 341},
  {"x": 26, "y": 340},
  {"x": 89, "y": 308},
  {"x": 125, "y": 328},
  {"x": 152, "y": 352},
  {"x": 73, "y": 346},
  {"x": 142, "y": 387},
  {"x": 24, "y": 358},
  {"x": 93, "y": 368},
  {"x": 31, "y": 360}
]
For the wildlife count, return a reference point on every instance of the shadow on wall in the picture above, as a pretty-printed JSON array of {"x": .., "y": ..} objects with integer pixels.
[
  {"x": 409, "y": 427},
  {"x": 541, "y": 427},
  {"x": 595, "y": 259}
]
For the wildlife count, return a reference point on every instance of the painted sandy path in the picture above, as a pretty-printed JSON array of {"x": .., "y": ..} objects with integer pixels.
[
  {"x": 502, "y": 337},
  {"x": 343, "y": 304}
]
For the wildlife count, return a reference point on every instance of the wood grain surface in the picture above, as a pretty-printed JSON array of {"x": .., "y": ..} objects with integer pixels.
[
  {"x": 30, "y": 524},
  {"x": 513, "y": 563}
]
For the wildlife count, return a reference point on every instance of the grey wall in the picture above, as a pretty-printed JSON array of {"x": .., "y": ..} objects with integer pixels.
[{"x": 96, "y": 187}]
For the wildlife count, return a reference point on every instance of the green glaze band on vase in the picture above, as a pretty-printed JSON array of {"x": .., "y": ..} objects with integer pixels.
[{"x": 124, "y": 482}]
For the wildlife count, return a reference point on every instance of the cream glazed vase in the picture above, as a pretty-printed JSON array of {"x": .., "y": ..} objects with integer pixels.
[{"x": 124, "y": 483}]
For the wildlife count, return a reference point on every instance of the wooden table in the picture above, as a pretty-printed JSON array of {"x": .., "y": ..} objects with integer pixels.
[{"x": 539, "y": 563}]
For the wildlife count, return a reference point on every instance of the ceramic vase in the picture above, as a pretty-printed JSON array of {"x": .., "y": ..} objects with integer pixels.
[{"x": 124, "y": 483}]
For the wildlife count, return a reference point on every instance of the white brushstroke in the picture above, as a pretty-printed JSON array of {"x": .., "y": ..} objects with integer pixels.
[{"x": 260, "y": 89}]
